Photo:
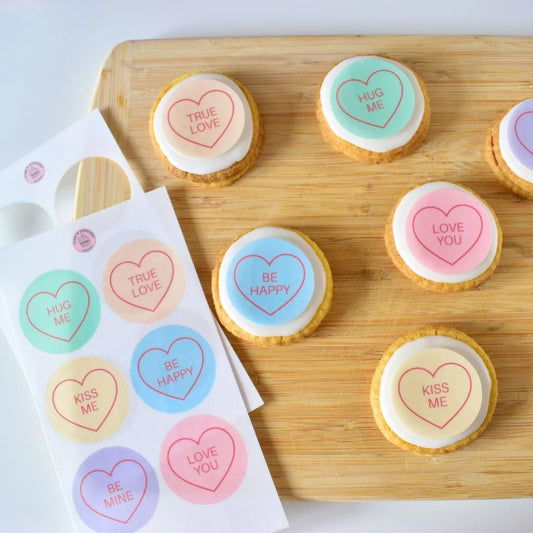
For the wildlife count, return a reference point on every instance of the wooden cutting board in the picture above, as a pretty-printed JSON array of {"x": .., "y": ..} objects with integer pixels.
[{"x": 316, "y": 427}]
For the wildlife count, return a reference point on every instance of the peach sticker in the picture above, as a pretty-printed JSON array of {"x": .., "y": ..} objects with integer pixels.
[
  {"x": 438, "y": 393},
  {"x": 144, "y": 281},
  {"x": 203, "y": 118},
  {"x": 87, "y": 400}
]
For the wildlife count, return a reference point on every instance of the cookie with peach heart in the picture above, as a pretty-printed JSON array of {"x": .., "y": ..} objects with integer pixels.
[
  {"x": 272, "y": 285},
  {"x": 433, "y": 391},
  {"x": 206, "y": 128}
]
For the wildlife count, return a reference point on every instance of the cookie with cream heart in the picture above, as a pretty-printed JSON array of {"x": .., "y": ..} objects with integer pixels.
[
  {"x": 509, "y": 149},
  {"x": 444, "y": 237},
  {"x": 373, "y": 109},
  {"x": 206, "y": 128},
  {"x": 433, "y": 391},
  {"x": 272, "y": 285}
]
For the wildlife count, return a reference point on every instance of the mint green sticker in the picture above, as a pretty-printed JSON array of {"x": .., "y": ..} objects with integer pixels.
[
  {"x": 59, "y": 311},
  {"x": 372, "y": 98}
]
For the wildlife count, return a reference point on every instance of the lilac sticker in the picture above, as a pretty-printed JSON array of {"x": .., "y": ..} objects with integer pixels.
[
  {"x": 520, "y": 132},
  {"x": 115, "y": 489}
]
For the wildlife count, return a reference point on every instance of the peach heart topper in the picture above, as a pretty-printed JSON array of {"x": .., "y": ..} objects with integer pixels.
[
  {"x": 205, "y": 118},
  {"x": 68, "y": 400},
  {"x": 215, "y": 448},
  {"x": 464, "y": 216},
  {"x": 415, "y": 381},
  {"x": 143, "y": 284}
]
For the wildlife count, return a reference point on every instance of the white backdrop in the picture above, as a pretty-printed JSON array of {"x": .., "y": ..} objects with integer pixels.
[{"x": 50, "y": 56}]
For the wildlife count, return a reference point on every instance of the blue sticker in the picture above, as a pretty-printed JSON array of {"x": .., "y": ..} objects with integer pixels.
[
  {"x": 270, "y": 282},
  {"x": 173, "y": 369}
]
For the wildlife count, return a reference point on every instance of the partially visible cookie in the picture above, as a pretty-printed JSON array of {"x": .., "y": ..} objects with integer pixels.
[
  {"x": 444, "y": 237},
  {"x": 372, "y": 108},
  {"x": 509, "y": 149},
  {"x": 272, "y": 285},
  {"x": 434, "y": 391},
  {"x": 206, "y": 128}
]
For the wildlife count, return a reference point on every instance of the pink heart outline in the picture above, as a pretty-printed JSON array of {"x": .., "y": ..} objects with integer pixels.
[
  {"x": 269, "y": 263},
  {"x": 530, "y": 150},
  {"x": 80, "y": 383},
  {"x": 433, "y": 374},
  {"x": 197, "y": 442},
  {"x": 138, "y": 265},
  {"x": 366, "y": 83},
  {"x": 168, "y": 352},
  {"x": 197, "y": 103},
  {"x": 446, "y": 214},
  {"x": 55, "y": 297},
  {"x": 110, "y": 474}
]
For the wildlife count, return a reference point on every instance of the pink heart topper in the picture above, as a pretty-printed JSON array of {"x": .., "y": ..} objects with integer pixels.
[
  {"x": 253, "y": 257},
  {"x": 462, "y": 371},
  {"x": 69, "y": 382},
  {"x": 187, "y": 106},
  {"x": 428, "y": 217},
  {"x": 93, "y": 486},
  {"x": 126, "y": 269},
  {"x": 45, "y": 294},
  {"x": 365, "y": 83},
  {"x": 160, "y": 352},
  {"x": 525, "y": 140},
  {"x": 180, "y": 452}
]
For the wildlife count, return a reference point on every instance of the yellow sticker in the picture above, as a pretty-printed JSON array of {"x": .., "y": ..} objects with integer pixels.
[{"x": 87, "y": 400}]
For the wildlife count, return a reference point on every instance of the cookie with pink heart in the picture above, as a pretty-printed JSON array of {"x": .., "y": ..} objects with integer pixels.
[
  {"x": 444, "y": 237},
  {"x": 373, "y": 109},
  {"x": 433, "y": 391},
  {"x": 206, "y": 128},
  {"x": 272, "y": 285},
  {"x": 509, "y": 149}
]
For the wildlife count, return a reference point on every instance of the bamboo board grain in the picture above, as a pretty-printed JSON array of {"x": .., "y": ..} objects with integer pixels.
[{"x": 316, "y": 428}]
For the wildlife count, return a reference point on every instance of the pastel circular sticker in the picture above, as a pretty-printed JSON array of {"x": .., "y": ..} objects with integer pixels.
[
  {"x": 144, "y": 281},
  {"x": 59, "y": 311},
  {"x": 87, "y": 400},
  {"x": 449, "y": 231},
  {"x": 520, "y": 132},
  {"x": 437, "y": 393},
  {"x": 204, "y": 118},
  {"x": 372, "y": 98},
  {"x": 173, "y": 369},
  {"x": 270, "y": 281},
  {"x": 203, "y": 459},
  {"x": 84, "y": 240},
  {"x": 34, "y": 172},
  {"x": 115, "y": 489}
]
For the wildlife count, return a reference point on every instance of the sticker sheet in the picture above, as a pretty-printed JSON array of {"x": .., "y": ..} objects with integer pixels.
[{"x": 143, "y": 402}]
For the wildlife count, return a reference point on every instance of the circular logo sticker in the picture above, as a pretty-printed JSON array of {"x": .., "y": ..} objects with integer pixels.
[
  {"x": 270, "y": 281},
  {"x": 34, "y": 172},
  {"x": 144, "y": 281},
  {"x": 115, "y": 489},
  {"x": 84, "y": 240},
  {"x": 87, "y": 400},
  {"x": 59, "y": 311},
  {"x": 173, "y": 369},
  {"x": 203, "y": 459}
]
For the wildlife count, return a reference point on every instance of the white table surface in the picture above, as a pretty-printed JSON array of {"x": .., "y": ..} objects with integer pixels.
[{"x": 50, "y": 55}]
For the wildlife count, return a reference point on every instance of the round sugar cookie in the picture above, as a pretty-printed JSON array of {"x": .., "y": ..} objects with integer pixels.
[
  {"x": 272, "y": 285},
  {"x": 444, "y": 237},
  {"x": 434, "y": 391},
  {"x": 509, "y": 149},
  {"x": 372, "y": 108},
  {"x": 206, "y": 128}
]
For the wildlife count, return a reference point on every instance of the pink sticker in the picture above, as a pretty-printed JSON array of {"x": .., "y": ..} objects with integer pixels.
[
  {"x": 203, "y": 459},
  {"x": 204, "y": 118},
  {"x": 449, "y": 231}
]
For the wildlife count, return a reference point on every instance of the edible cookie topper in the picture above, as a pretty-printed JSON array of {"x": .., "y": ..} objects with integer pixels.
[
  {"x": 449, "y": 231},
  {"x": 372, "y": 98},
  {"x": 437, "y": 393},
  {"x": 270, "y": 281},
  {"x": 202, "y": 118},
  {"x": 520, "y": 132}
]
